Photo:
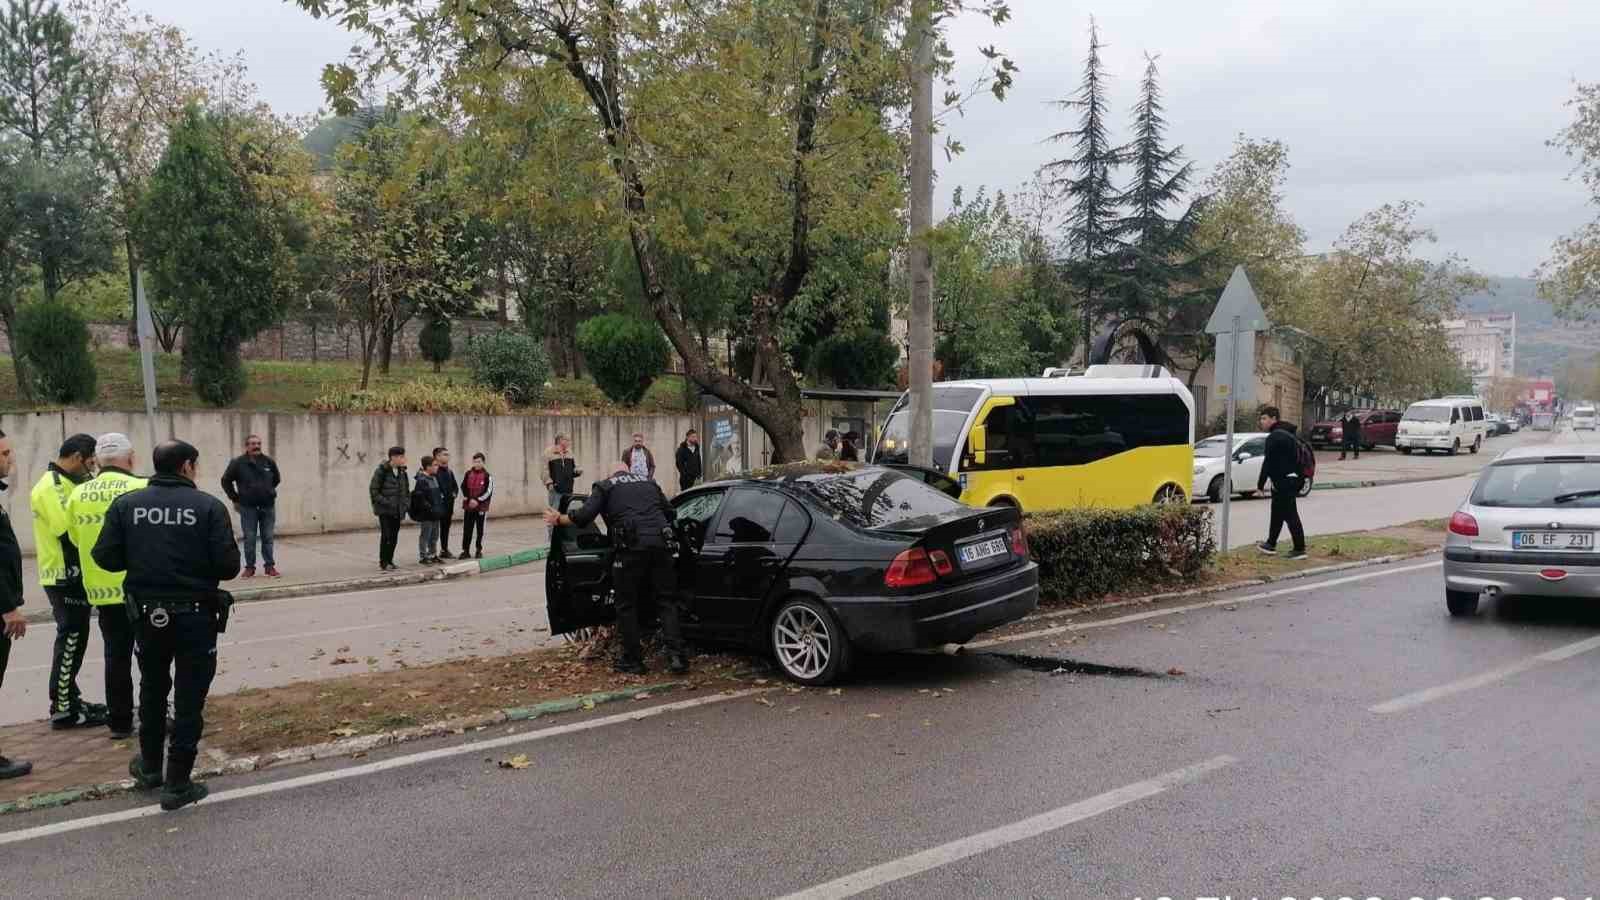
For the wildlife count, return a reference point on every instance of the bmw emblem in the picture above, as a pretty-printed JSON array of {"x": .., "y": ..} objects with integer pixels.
[{"x": 159, "y": 618}]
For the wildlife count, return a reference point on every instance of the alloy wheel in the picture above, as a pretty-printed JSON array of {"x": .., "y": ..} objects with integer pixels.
[
  {"x": 803, "y": 640},
  {"x": 1169, "y": 493}
]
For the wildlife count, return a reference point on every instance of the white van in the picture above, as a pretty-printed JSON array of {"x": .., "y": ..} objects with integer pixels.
[
  {"x": 1583, "y": 418},
  {"x": 1449, "y": 424}
]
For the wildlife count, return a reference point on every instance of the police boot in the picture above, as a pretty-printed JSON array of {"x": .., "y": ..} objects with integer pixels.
[
  {"x": 180, "y": 791},
  {"x": 145, "y": 779}
]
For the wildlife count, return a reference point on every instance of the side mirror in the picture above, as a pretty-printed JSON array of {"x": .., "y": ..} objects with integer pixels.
[{"x": 978, "y": 444}]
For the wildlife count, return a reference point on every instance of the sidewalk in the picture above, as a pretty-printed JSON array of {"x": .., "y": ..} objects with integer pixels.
[
  {"x": 308, "y": 560},
  {"x": 1385, "y": 465}
]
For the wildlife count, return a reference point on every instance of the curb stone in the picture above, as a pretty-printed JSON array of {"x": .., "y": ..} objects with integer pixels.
[
  {"x": 349, "y": 585},
  {"x": 223, "y": 764}
]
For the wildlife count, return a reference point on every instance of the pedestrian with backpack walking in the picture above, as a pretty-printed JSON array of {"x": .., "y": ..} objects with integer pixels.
[
  {"x": 1284, "y": 467},
  {"x": 427, "y": 508}
]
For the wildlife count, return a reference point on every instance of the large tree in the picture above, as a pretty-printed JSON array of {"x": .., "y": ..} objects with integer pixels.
[
  {"x": 1369, "y": 315},
  {"x": 44, "y": 81},
  {"x": 404, "y": 237},
  {"x": 1570, "y": 279},
  {"x": 217, "y": 228},
  {"x": 771, "y": 123},
  {"x": 1084, "y": 182}
]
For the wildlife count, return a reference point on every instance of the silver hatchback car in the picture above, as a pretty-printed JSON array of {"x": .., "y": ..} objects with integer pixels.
[{"x": 1529, "y": 528}]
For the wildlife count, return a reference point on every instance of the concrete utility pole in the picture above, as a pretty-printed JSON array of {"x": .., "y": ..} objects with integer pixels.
[{"x": 920, "y": 373}]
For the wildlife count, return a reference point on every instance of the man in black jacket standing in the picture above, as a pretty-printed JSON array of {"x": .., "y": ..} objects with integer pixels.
[
  {"x": 1282, "y": 466},
  {"x": 15, "y": 626},
  {"x": 176, "y": 543},
  {"x": 690, "y": 467},
  {"x": 251, "y": 482},
  {"x": 390, "y": 491},
  {"x": 450, "y": 489},
  {"x": 1351, "y": 427}
]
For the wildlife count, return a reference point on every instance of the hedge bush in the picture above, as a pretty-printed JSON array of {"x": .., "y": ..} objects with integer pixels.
[
  {"x": 433, "y": 342},
  {"x": 415, "y": 397},
  {"x": 217, "y": 369},
  {"x": 857, "y": 359},
  {"x": 53, "y": 341},
  {"x": 1088, "y": 553},
  {"x": 624, "y": 354},
  {"x": 511, "y": 363}
]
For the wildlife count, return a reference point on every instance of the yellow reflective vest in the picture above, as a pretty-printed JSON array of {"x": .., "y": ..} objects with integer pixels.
[
  {"x": 57, "y": 556},
  {"x": 86, "y": 515}
]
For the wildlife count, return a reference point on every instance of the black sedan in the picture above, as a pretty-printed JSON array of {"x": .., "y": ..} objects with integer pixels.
[{"x": 813, "y": 562}]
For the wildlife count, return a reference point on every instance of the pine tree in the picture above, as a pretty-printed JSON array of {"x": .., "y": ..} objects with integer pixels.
[
  {"x": 1156, "y": 271},
  {"x": 1084, "y": 181}
]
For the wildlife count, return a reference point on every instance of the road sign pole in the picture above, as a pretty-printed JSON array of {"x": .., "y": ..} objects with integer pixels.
[
  {"x": 1227, "y": 462},
  {"x": 147, "y": 338}
]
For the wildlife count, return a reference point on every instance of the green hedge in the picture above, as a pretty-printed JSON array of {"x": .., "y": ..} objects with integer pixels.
[{"x": 1088, "y": 553}]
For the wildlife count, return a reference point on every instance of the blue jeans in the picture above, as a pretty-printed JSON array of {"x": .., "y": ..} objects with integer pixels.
[
  {"x": 254, "y": 520},
  {"x": 427, "y": 540}
]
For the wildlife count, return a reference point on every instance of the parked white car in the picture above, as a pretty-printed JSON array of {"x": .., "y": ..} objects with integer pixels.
[
  {"x": 1529, "y": 528},
  {"x": 1583, "y": 419},
  {"x": 1450, "y": 424},
  {"x": 1249, "y": 451}
]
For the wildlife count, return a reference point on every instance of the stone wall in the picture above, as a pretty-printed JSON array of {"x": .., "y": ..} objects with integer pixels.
[
  {"x": 327, "y": 460},
  {"x": 302, "y": 341}
]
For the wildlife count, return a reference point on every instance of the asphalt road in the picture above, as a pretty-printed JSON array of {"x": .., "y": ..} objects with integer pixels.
[
  {"x": 275, "y": 642},
  {"x": 1337, "y": 738}
]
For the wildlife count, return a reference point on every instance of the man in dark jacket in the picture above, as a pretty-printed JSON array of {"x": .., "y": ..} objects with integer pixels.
[
  {"x": 427, "y": 508},
  {"x": 449, "y": 489},
  {"x": 391, "y": 497},
  {"x": 637, "y": 515},
  {"x": 251, "y": 482},
  {"x": 1352, "y": 435},
  {"x": 175, "y": 542},
  {"x": 15, "y": 626},
  {"x": 690, "y": 468},
  {"x": 1282, "y": 467}
]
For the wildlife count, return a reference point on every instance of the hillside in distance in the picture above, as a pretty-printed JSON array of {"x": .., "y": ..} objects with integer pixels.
[{"x": 1545, "y": 344}]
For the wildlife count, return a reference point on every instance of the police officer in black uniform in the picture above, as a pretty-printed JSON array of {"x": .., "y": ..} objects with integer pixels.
[
  {"x": 175, "y": 542},
  {"x": 639, "y": 520}
]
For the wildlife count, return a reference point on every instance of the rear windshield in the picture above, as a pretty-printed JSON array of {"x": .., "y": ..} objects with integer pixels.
[
  {"x": 874, "y": 498},
  {"x": 1540, "y": 485},
  {"x": 1421, "y": 413},
  {"x": 1214, "y": 446}
]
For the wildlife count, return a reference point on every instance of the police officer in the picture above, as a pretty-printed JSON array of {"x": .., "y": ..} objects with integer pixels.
[
  {"x": 175, "y": 543},
  {"x": 61, "y": 576},
  {"x": 639, "y": 519},
  {"x": 86, "y": 514}
]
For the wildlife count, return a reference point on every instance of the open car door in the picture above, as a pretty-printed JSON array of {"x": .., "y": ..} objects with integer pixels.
[
  {"x": 577, "y": 576},
  {"x": 939, "y": 481}
]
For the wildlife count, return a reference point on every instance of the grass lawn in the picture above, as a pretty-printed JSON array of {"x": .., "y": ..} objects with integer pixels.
[{"x": 291, "y": 386}]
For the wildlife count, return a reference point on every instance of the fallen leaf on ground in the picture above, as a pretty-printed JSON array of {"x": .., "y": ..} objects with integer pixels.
[
  {"x": 763, "y": 701},
  {"x": 588, "y": 704},
  {"x": 343, "y": 732},
  {"x": 1175, "y": 671},
  {"x": 836, "y": 692},
  {"x": 172, "y": 831},
  {"x": 874, "y": 716},
  {"x": 344, "y": 649},
  {"x": 520, "y": 761}
]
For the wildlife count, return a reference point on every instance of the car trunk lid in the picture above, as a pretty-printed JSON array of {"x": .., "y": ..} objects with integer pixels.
[{"x": 963, "y": 543}]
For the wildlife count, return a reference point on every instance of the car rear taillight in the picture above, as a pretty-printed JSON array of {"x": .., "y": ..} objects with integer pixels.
[
  {"x": 941, "y": 562},
  {"x": 1019, "y": 542},
  {"x": 912, "y": 568},
  {"x": 1464, "y": 525}
]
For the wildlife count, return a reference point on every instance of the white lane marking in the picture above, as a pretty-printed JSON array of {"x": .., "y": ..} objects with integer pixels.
[
  {"x": 1208, "y": 604},
  {"x": 1428, "y": 695},
  {"x": 328, "y": 632},
  {"x": 944, "y": 854},
  {"x": 272, "y": 787}
]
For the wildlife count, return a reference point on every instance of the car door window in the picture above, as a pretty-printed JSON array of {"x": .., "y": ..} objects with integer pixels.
[
  {"x": 792, "y": 524},
  {"x": 749, "y": 516},
  {"x": 1254, "y": 447},
  {"x": 696, "y": 514}
]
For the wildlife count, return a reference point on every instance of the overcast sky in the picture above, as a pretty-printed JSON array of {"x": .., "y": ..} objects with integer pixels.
[{"x": 1444, "y": 102}]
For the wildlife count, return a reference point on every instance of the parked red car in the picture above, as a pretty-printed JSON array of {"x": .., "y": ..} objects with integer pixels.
[{"x": 1378, "y": 426}]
